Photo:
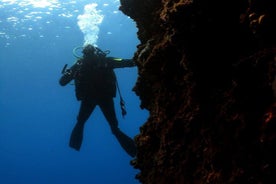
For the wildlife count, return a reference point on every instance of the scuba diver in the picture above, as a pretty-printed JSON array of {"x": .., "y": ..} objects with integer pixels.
[{"x": 95, "y": 84}]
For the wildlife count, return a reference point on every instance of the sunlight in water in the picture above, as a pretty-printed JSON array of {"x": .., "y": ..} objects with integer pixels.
[
  {"x": 26, "y": 18},
  {"x": 34, "y": 3}
]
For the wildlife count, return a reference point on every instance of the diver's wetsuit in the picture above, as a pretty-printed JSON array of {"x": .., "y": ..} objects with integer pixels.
[{"x": 95, "y": 83}]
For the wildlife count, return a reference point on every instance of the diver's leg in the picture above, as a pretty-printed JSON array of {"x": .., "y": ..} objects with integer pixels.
[
  {"x": 85, "y": 111},
  {"x": 108, "y": 109}
]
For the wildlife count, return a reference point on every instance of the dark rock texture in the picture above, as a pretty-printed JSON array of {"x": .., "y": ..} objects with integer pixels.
[{"x": 207, "y": 77}]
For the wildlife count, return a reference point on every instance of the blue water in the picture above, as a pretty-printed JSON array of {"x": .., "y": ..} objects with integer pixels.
[{"x": 37, "y": 115}]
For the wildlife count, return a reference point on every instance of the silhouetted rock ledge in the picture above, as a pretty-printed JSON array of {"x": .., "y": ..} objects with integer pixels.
[{"x": 207, "y": 77}]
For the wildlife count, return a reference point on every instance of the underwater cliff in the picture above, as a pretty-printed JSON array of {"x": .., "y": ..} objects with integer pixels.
[{"x": 207, "y": 78}]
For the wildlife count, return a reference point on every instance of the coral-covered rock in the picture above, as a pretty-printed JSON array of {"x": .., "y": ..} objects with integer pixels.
[{"x": 207, "y": 77}]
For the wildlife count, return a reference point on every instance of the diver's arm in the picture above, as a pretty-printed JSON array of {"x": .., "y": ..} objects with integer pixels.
[
  {"x": 120, "y": 63},
  {"x": 69, "y": 74}
]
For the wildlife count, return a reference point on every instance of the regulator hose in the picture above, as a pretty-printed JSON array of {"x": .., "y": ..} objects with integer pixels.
[{"x": 75, "y": 51}]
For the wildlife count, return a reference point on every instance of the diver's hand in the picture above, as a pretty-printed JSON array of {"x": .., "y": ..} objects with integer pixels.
[{"x": 66, "y": 77}]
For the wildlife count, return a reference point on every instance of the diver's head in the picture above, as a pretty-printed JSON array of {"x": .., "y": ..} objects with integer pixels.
[{"x": 89, "y": 50}]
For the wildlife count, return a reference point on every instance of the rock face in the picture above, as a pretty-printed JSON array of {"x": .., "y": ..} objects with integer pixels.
[{"x": 207, "y": 77}]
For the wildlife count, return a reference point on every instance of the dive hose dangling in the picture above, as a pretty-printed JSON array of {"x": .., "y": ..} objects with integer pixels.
[{"x": 122, "y": 102}]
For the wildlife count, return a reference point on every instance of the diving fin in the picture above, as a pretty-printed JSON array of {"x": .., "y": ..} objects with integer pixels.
[{"x": 76, "y": 137}]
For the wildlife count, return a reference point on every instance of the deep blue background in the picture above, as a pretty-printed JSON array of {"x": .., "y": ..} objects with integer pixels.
[{"x": 37, "y": 115}]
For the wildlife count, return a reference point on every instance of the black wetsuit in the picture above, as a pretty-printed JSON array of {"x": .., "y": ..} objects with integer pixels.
[{"x": 95, "y": 84}]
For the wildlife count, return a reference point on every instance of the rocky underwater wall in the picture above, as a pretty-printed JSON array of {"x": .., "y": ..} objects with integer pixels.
[{"x": 207, "y": 77}]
